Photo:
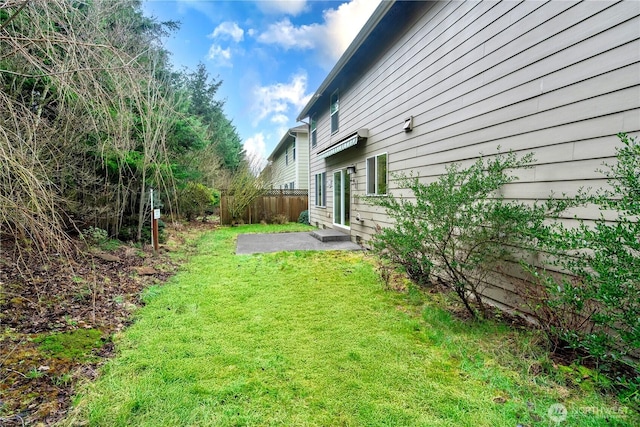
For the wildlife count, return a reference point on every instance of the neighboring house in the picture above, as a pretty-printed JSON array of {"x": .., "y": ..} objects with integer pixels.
[
  {"x": 289, "y": 162},
  {"x": 427, "y": 83}
]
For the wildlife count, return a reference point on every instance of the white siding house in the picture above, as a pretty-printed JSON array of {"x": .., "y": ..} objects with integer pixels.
[
  {"x": 427, "y": 83},
  {"x": 289, "y": 161}
]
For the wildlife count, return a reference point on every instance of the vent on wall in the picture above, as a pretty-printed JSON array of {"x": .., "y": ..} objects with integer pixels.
[{"x": 408, "y": 124}]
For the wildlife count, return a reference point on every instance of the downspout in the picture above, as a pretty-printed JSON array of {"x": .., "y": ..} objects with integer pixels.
[
  {"x": 308, "y": 167},
  {"x": 295, "y": 161}
]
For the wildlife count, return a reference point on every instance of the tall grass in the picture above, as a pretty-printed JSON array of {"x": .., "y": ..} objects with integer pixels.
[{"x": 312, "y": 339}]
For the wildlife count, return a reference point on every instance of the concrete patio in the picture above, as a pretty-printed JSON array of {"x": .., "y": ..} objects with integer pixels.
[{"x": 318, "y": 240}]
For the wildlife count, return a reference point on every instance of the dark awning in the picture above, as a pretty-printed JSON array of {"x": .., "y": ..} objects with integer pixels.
[{"x": 348, "y": 142}]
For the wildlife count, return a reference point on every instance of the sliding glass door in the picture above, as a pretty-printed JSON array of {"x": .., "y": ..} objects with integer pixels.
[{"x": 341, "y": 198}]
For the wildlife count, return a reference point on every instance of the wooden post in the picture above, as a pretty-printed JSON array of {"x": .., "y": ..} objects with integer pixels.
[{"x": 154, "y": 224}]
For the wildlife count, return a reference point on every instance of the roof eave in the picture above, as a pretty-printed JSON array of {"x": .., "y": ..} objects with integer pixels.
[
  {"x": 285, "y": 137},
  {"x": 357, "y": 42}
]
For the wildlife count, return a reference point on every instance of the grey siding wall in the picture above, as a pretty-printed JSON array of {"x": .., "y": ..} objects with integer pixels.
[
  {"x": 297, "y": 170},
  {"x": 283, "y": 173},
  {"x": 302, "y": 161},
  {"x": 556, "y": 78}
]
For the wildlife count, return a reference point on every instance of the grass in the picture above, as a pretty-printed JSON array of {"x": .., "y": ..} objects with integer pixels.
[{"x": 313, "y": 339}]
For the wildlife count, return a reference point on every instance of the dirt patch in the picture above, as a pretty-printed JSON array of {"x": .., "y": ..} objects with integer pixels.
[{"x": 50, "y": 309}]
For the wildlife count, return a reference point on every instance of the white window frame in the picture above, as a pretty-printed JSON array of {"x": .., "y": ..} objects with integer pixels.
[
  {"x": 321, "y": 190},
  {"x": 373, "y": 174},
  {"x": 314, "y": 132},
  {"x": 334, "y": 113},
  {"x": 293, "y": 150}
]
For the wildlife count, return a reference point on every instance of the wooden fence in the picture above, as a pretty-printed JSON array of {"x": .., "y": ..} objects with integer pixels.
[{"x": 288, "y": 203}]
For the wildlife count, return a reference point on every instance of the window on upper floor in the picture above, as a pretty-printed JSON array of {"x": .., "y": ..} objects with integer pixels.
[
  {"x": 335, "y": 106},
  {"x": 314, "y": 137},
  {"x": 321, "y": 184},
  {"x": 377, "y": 175},
  {"x": 286, "y": 156},
  {"x": 293, "y": 151}
]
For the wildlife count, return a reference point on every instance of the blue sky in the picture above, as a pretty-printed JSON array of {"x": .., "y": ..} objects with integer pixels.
[{"x": 270, "y": 55}]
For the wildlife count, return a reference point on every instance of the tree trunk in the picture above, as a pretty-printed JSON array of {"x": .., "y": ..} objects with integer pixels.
[{"x": 142, "y": 204}]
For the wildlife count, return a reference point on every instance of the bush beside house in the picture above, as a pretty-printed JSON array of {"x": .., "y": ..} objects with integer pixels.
[{"x": 458, "y": 230}]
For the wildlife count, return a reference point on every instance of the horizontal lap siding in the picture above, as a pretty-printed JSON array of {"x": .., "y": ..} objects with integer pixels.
[
  {"x": 559, "y": 79},
  {"x": 426, "y": 105},
  {"x": 302, "y": 161},
  {"x": 283, "y": 173}
]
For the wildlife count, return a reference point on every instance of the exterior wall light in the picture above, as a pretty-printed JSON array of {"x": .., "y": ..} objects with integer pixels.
[{"x": 351, "y": 170}]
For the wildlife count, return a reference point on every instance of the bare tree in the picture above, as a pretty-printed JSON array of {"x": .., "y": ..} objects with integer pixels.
[
  {"x": 242, "y": 187},
  {"x": 83, "y": 118}
]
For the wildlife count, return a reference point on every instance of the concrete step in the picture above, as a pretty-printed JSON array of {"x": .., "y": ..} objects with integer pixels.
[{"x": 330, "y": 235}]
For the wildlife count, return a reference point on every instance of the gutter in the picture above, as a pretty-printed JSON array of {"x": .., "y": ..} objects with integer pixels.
[{"x": 282, "y": 142}]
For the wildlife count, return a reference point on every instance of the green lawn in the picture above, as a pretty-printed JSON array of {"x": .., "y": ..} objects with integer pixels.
[{"x": 313, "y": 339}]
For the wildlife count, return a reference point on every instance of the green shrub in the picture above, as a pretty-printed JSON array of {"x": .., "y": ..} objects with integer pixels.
[
  {"x": 459, "y": 228},
  {"x": 146, "y": 232},
  {"x": 280, "y": 219},
  {"x": 128, "y": 232},
  {"x": 304, "y": 217},
  {"x": 215, "y": 194},
  {"x": 94, "y": 236},
  {"x": 196, "y": 199},
  {"x": 603, "y": 259}
]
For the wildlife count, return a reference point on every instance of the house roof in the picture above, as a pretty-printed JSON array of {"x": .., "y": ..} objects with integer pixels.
[
  {"x": 386, "y": 22},
  {"x": 286, "y": 138}
]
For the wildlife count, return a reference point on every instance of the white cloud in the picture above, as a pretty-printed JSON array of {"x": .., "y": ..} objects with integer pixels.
[
  {"x": 289, "y": 7},
  {"x": 205, "y": 7},
  {"x": 331, "y": 38},
  {"x": 344, "y": 23},
  {"x": 280, "y": 119},
  {"x": 275, "y": 100},
  {"x": 228, "y": 30},
  {"x": 283, "y": 33},
  {"x": 281, "y": 131},
  {"x": 256, "y": 151},
  {"x": 220, "y": 56}
]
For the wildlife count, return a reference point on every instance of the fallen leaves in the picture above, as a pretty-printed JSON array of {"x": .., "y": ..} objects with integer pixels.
[{"x": 95, "y": 290}]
